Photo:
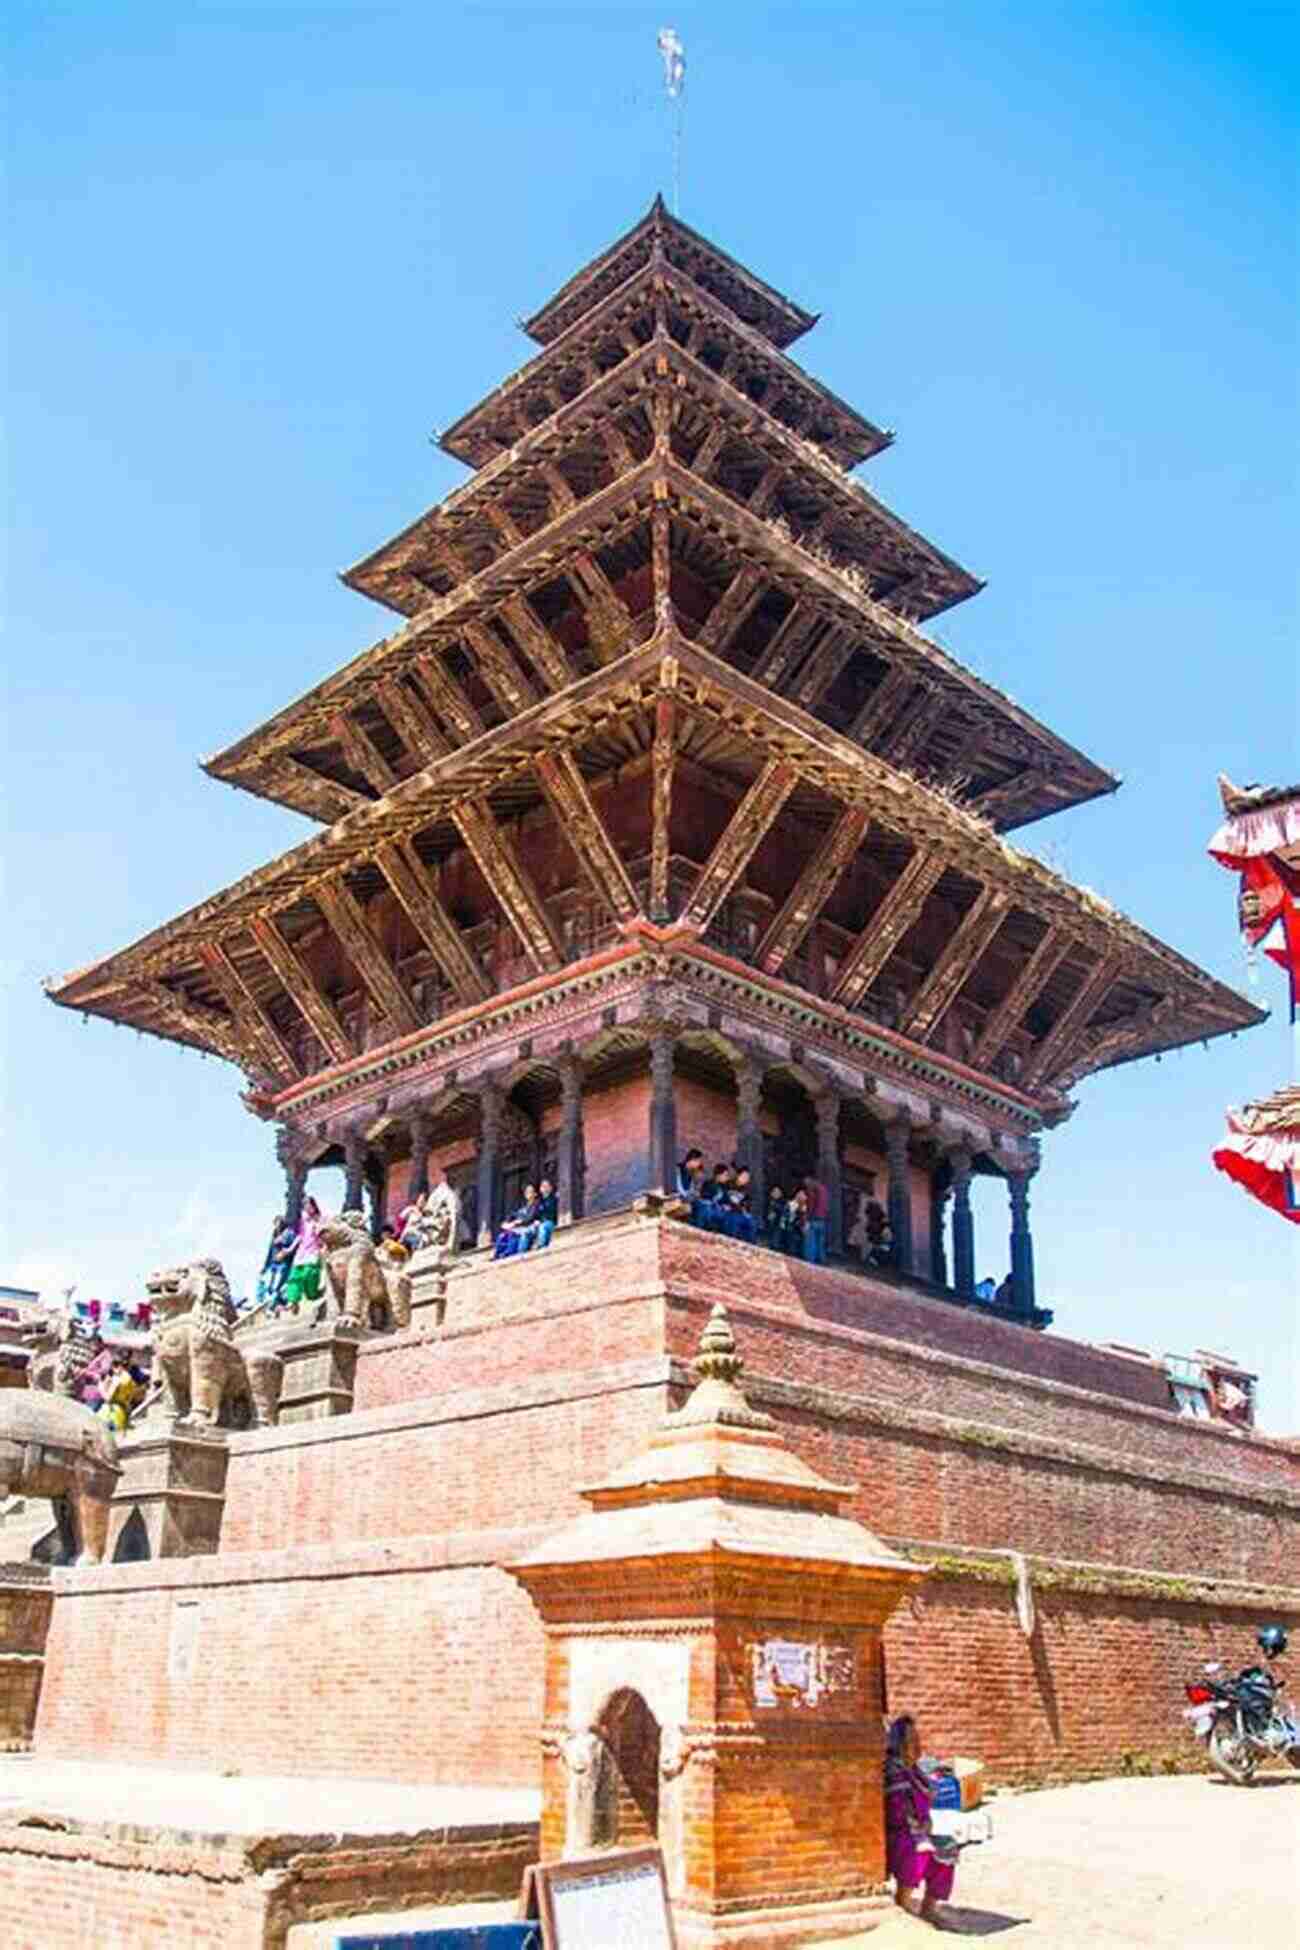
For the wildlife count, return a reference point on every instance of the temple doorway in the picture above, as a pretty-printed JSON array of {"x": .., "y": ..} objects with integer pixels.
[{"x": 631, "y": 1733}]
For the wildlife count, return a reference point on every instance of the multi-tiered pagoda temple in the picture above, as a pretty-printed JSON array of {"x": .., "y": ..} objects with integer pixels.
[{"x": 659, "y": 818}]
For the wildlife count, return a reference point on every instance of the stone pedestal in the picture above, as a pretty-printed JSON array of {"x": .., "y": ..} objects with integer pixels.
[
  {"x": 713, "y": 1676},
  {"x": 320, "y": 1365},
  {"x": 428, "y": 1272},
  {"x": 171, "y": 1495},
  {"x": 25, "y": 1601}
]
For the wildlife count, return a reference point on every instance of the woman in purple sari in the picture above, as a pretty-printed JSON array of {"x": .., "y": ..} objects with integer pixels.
[{"x": 909, "y": 1842}]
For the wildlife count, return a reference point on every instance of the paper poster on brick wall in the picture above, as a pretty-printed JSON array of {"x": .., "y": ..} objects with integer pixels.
[{"x": 799, "y": 1672}]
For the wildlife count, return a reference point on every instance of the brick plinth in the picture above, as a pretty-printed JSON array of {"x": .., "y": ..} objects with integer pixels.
[
  {"x": 25, "y": 1604},
  {"x": 319, "y": 1371},
  {"x": 67, "y": 1884},
  {"x": 170, "y": 1495}
]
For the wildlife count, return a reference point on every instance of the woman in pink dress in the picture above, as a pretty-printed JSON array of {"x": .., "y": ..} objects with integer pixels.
[
  {"x": 909, "y": 1841},
  {"x": 303, "y": 1282}
]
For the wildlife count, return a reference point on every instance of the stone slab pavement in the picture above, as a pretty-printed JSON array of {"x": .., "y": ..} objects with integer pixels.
[
  {"x": 234, "y": 1804},
  {"x": 1183, "y": 1863}
]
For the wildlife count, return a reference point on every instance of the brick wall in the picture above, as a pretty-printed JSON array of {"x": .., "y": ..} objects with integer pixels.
[
  {"x": 414, "y": 1661},
  {"x": 1098, "y": 1689},
  {"x": 356, "y": 1620},
  {"x": 616, "y": 1139}
]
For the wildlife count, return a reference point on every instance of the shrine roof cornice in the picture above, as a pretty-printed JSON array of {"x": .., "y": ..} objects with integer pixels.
[
  {"x": 758, "y": 303},
  {"x": 772, "y": 726}
]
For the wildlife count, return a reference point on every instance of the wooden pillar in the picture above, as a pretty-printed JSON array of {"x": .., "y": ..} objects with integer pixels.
[
  {"x": 568, "y": 1160},
  {"x": 940, "y": 1193},
  {"x": 1022, "y": 1244},
  {"x": 376, "y": 1188},
  {"x": 827, "y": 1106},
  {"x": 663, "y": 1113},
  {"x": 897, "y": 1132},
  {"x": 354, "y": 1167},
  {"x": 749, "y": 1134},
  {"x": 963, "y": 1227},
  {"x": 295, "y": 1178},
  {"x": 490, "y": 1100},
  {"x": 419, "y": 1129}
]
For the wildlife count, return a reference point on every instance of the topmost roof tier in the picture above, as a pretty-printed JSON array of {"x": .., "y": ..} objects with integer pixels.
[{"x": 768, "y": 311}]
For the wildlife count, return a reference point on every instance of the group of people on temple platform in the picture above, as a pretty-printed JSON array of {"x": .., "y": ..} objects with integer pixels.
[
  {"x": 792, "y": 1222},
  {"x": 531, "y": 1224}
]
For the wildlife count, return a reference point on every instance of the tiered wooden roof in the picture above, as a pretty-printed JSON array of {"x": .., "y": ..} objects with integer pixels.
[{"x": 661, "y": 579}]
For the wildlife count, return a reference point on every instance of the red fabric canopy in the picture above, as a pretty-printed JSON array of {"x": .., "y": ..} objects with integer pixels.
[{"x": 1262, "y": 1152}]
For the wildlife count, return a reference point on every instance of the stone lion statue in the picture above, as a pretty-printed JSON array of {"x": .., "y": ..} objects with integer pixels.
[
  {"x": 358, "y": 1287},
  {"x": 206, "y": 1379}
]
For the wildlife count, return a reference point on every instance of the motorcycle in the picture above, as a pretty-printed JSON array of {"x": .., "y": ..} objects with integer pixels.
[{"x": 1243, "y": 1720}]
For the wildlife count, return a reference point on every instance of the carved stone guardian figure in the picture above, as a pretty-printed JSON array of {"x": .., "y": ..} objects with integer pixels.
[
  {"x": 358, "y": 1287},
  {"x": 206, "y": 1379}
]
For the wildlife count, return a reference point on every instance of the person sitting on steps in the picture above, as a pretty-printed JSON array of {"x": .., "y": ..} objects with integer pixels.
[{"x": 510, "y": 1239}]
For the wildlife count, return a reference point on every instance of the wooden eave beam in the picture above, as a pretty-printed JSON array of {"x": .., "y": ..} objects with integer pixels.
[
  {"x": 510, "y": 884},
  {"x": 361, "y": 755},
  {"x": 288, "y": 781},
  {"x": 887, "y": 926},
  {"x": 586, "y": 833},
  {"x": 447, "y": 698},
  {"x": 961, "y": 952},
  {"x": 922, "y": 717},
  {"x": 1054, "y": 1048},
  {"x": 411, "y": 718},
  {"x": 504, "y": 678},
  {"x": 402, "y": 869},
  {"x": 1010, "y": 1012},
  {"x": 190, "y": 1023},
  {"x": 823, "y": 667},
  {"x": 741, "y": 595},
  {"x": 253, "y": 1021},
  {"x": 663, "y": 763},
  {"x": 812, "y": 890},
  {"x": 347, "y": 918},
  {"x": 788, "y": 645},
  {"x": 609, "y": 620},
  {"x": 541, "y": 644},
  {"x": 309, "y": 1000},
  {"x": 740, "y": 841}
]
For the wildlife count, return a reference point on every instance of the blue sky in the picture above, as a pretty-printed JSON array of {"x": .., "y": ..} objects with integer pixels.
[{"x": 257, "y": 253}]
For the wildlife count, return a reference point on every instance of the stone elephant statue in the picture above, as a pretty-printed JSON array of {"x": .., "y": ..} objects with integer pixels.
[
  {"x": 53, "y": 1446},
  {"x": 206, "y": 1379},
  {"x": 357, "y": 1285}
]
